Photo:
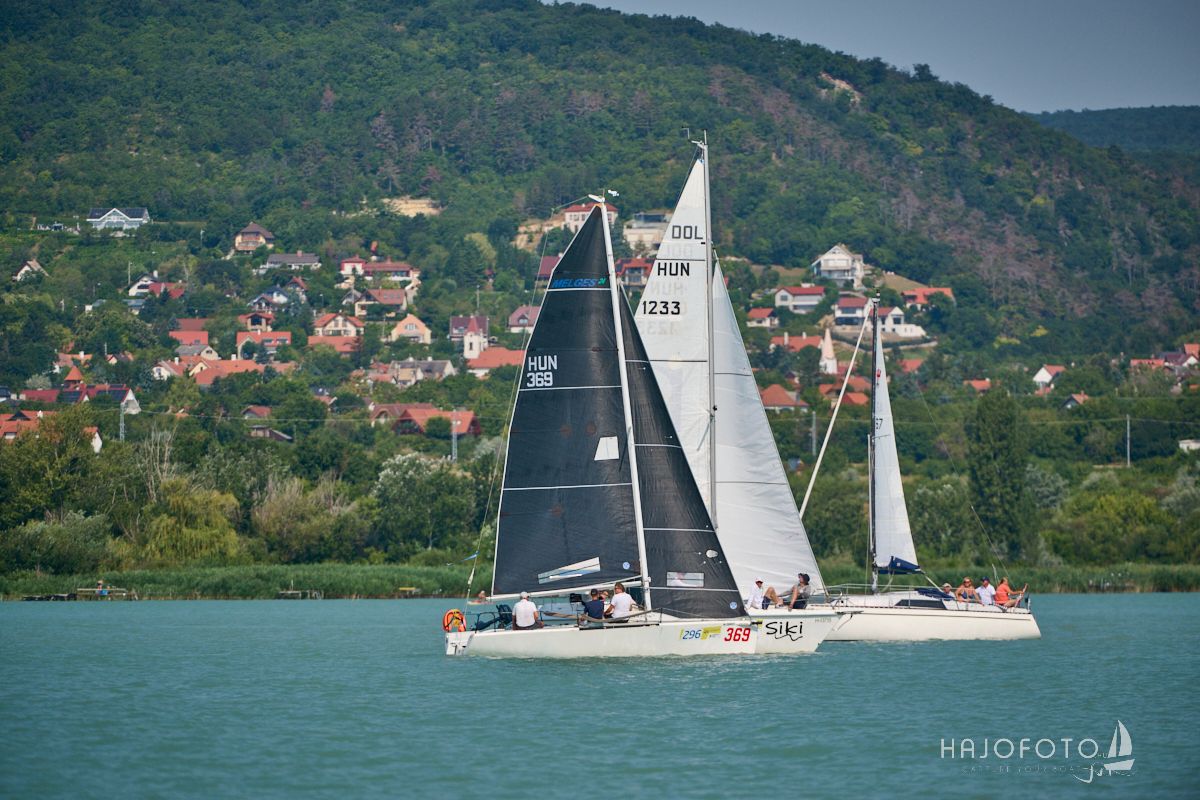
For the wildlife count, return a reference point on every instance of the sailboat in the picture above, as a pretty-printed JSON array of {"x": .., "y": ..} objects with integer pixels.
[
  {"x": 597, "y": 489},
  {"x": 692, "y": 337},
  {"x": 910, "y": 614}
]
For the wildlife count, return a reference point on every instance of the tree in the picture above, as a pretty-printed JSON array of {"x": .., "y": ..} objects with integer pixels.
[
  {"x": 997, "y": 455},
  {"x": 423, "y": 502}
]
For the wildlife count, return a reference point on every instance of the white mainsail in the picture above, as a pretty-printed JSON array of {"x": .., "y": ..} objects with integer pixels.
[
  {"x": 760, "y": 525},
  {"x": 893, "y": 542},
  {"x": 672, "y": 319}
]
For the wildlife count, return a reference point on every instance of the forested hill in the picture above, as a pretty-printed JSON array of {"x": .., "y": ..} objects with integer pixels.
[
  {"x": 1174, "y": 128},
  {"x": 218, "y": 112}
]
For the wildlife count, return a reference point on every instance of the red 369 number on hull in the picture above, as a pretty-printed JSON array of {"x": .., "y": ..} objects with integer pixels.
[{"x": 737, "y": 634}]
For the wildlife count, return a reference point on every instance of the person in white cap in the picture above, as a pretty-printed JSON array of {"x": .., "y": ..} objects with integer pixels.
[
  {"x": 762, "y": 597},
  {"x": 525, "y": 614}
]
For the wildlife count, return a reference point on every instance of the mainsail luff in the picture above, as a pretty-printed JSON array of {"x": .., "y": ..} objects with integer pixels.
[
  {"x": 567, "y": 514},
  {"x": 892, "y": 547}
]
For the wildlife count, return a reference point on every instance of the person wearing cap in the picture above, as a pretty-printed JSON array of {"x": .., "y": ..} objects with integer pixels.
[
  {"x": 800, "y": 592},
  {"x": 762, "y": 597},
  {"x": 986, "y": 592},
  {"x": 593, "y": 609},
  {"x": 525, "y": 614}
]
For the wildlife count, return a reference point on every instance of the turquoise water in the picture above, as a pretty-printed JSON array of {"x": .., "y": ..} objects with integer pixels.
[{"x": 355, "y": 699}]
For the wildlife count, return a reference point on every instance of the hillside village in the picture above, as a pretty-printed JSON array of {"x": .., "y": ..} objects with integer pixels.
[{"x": 292, "y": 309}]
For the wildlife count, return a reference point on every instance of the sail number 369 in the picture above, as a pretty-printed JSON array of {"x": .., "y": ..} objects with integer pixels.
[
  {"x": 538, "y": 380},
  {"x": 661, "y": 307}
]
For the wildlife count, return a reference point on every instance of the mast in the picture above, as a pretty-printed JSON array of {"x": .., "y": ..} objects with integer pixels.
[
  {"x": 871, "y": 504},
  {"x": 630, "y": 443},
  {"x": 712, "y": 380}
]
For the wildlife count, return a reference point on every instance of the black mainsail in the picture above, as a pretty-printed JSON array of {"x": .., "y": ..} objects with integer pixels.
[{"x": 570, "y": 514}]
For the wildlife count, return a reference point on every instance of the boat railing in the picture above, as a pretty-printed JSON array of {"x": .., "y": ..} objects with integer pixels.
[{"x": 839, "y": 595}]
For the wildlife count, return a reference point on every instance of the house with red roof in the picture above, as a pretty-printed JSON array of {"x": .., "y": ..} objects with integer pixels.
[
  {"x": 39, "y": 395},
  {"x": 342, "y": 345},
  {"x": 851, "y": 309},
  {"x": 523, "y": 319},
  {"x": 192, "y": 323},
  {"x": 256, "y": 412},
  {"x": 979, "y": 385},
  {"x": 762, "y": 318},
  {"x": 461, "y": 326},
  {"x": 257, "y": 321},
  {"x": 795, "y": 344},
  {"x": 923, "y": 296},
  {"x": 385, "y": 301},
  {"x": 1045, "y": 377},
  {"x": 338, "y": 324},
  {"x": 776, "y": 398},
  {"x": 416, "y": 421},
  {"x": 492, "y": 358},
  {"x": 1075, "y": 400},
  {"x": 545, "y": 270},
  {"x": 199, "y": 337},
  {"x": 22, "y": 422},
  {"x": 410, "y": 329},
  {"x": 634, "y": 271},
  {"x": 389, "y": 271},
  {"x": 910, "y": 365},
  {"x": 388, "y": 413},
  {"x": 799, "y": 299},
  {"x": 268, "y": 341}
]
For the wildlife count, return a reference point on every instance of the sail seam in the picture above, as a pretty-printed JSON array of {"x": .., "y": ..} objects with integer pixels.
[
  {"x": 559, "y": 388},
  {"x": 682, "y": 530},
  {"x": 567, "y": 486}
]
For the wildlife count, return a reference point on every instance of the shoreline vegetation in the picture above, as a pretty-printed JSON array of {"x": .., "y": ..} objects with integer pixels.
[{"x": 391, "y": 581}]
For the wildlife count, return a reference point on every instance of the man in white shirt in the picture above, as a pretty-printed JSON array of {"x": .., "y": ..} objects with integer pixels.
[
  {"x": 621, "y": 605},
  {"x": 525, "y": 614},
  {"x": 986, "y": 592}
]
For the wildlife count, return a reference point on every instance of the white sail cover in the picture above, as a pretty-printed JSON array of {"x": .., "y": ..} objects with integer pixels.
[
  {"x": 672, "y": 319},
  {"x": 894, "y": 550},
  {"x": 760, "y": 526}
]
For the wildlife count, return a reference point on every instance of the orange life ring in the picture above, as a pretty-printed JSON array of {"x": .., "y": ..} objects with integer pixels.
[{"x": 454, "y": 619}]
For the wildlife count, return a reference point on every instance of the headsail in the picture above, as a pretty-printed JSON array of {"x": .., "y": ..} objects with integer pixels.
[
  {"x": 566, "y": 505},
  {"x": 892, "y": 542},
  {"x": 760, "y": 526},
  {"x": 689, "y": 570}
]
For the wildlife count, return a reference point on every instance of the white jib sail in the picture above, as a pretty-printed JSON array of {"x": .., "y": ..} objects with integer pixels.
[
  {"x": 893, "y": 536},
  {"x": 760, "y": 525},
  {"x": 672, "y": 320}
]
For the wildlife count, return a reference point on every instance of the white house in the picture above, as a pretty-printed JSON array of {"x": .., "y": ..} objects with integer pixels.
[
  {"x": 799, "y": 299},
  {"x": 1045, "y": 376},
  {"x": 891, "y": 322},
  {"x": 30, "y": 269},
  {"x": 841, "y": 266},
  {"x": 644, "y": 233},
  {"x": 123, "y": 219},
  {"x": 850, "y": 310},
  {"x": 293, "y": 261},
  {"x": 762, "y": 318},
  {"x": 574, "y": 216}
]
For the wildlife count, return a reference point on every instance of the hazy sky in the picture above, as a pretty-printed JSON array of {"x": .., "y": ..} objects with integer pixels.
[{"x": 1031, "y": 55}]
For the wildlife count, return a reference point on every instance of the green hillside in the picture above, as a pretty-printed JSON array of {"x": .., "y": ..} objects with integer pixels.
[
  {"x": 1136, "y": 130},
  {"x": 214, "y": 113}
]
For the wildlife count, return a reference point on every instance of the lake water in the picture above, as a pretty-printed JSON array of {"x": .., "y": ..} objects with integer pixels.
[{"x": 355, "y": 699}]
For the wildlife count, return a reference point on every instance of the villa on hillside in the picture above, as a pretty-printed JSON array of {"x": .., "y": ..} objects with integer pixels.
[
  {"x": 119, "y": 219},
  {"x": 252, "y": 237},
  {"x": 841, "y": 266}
]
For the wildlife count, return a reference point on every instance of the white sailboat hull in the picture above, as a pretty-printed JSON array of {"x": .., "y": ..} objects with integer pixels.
[
  {"x": 877, "y": 618},
  {"x": 795, "y": 631},
  {"x": 667, "y": 638}
]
